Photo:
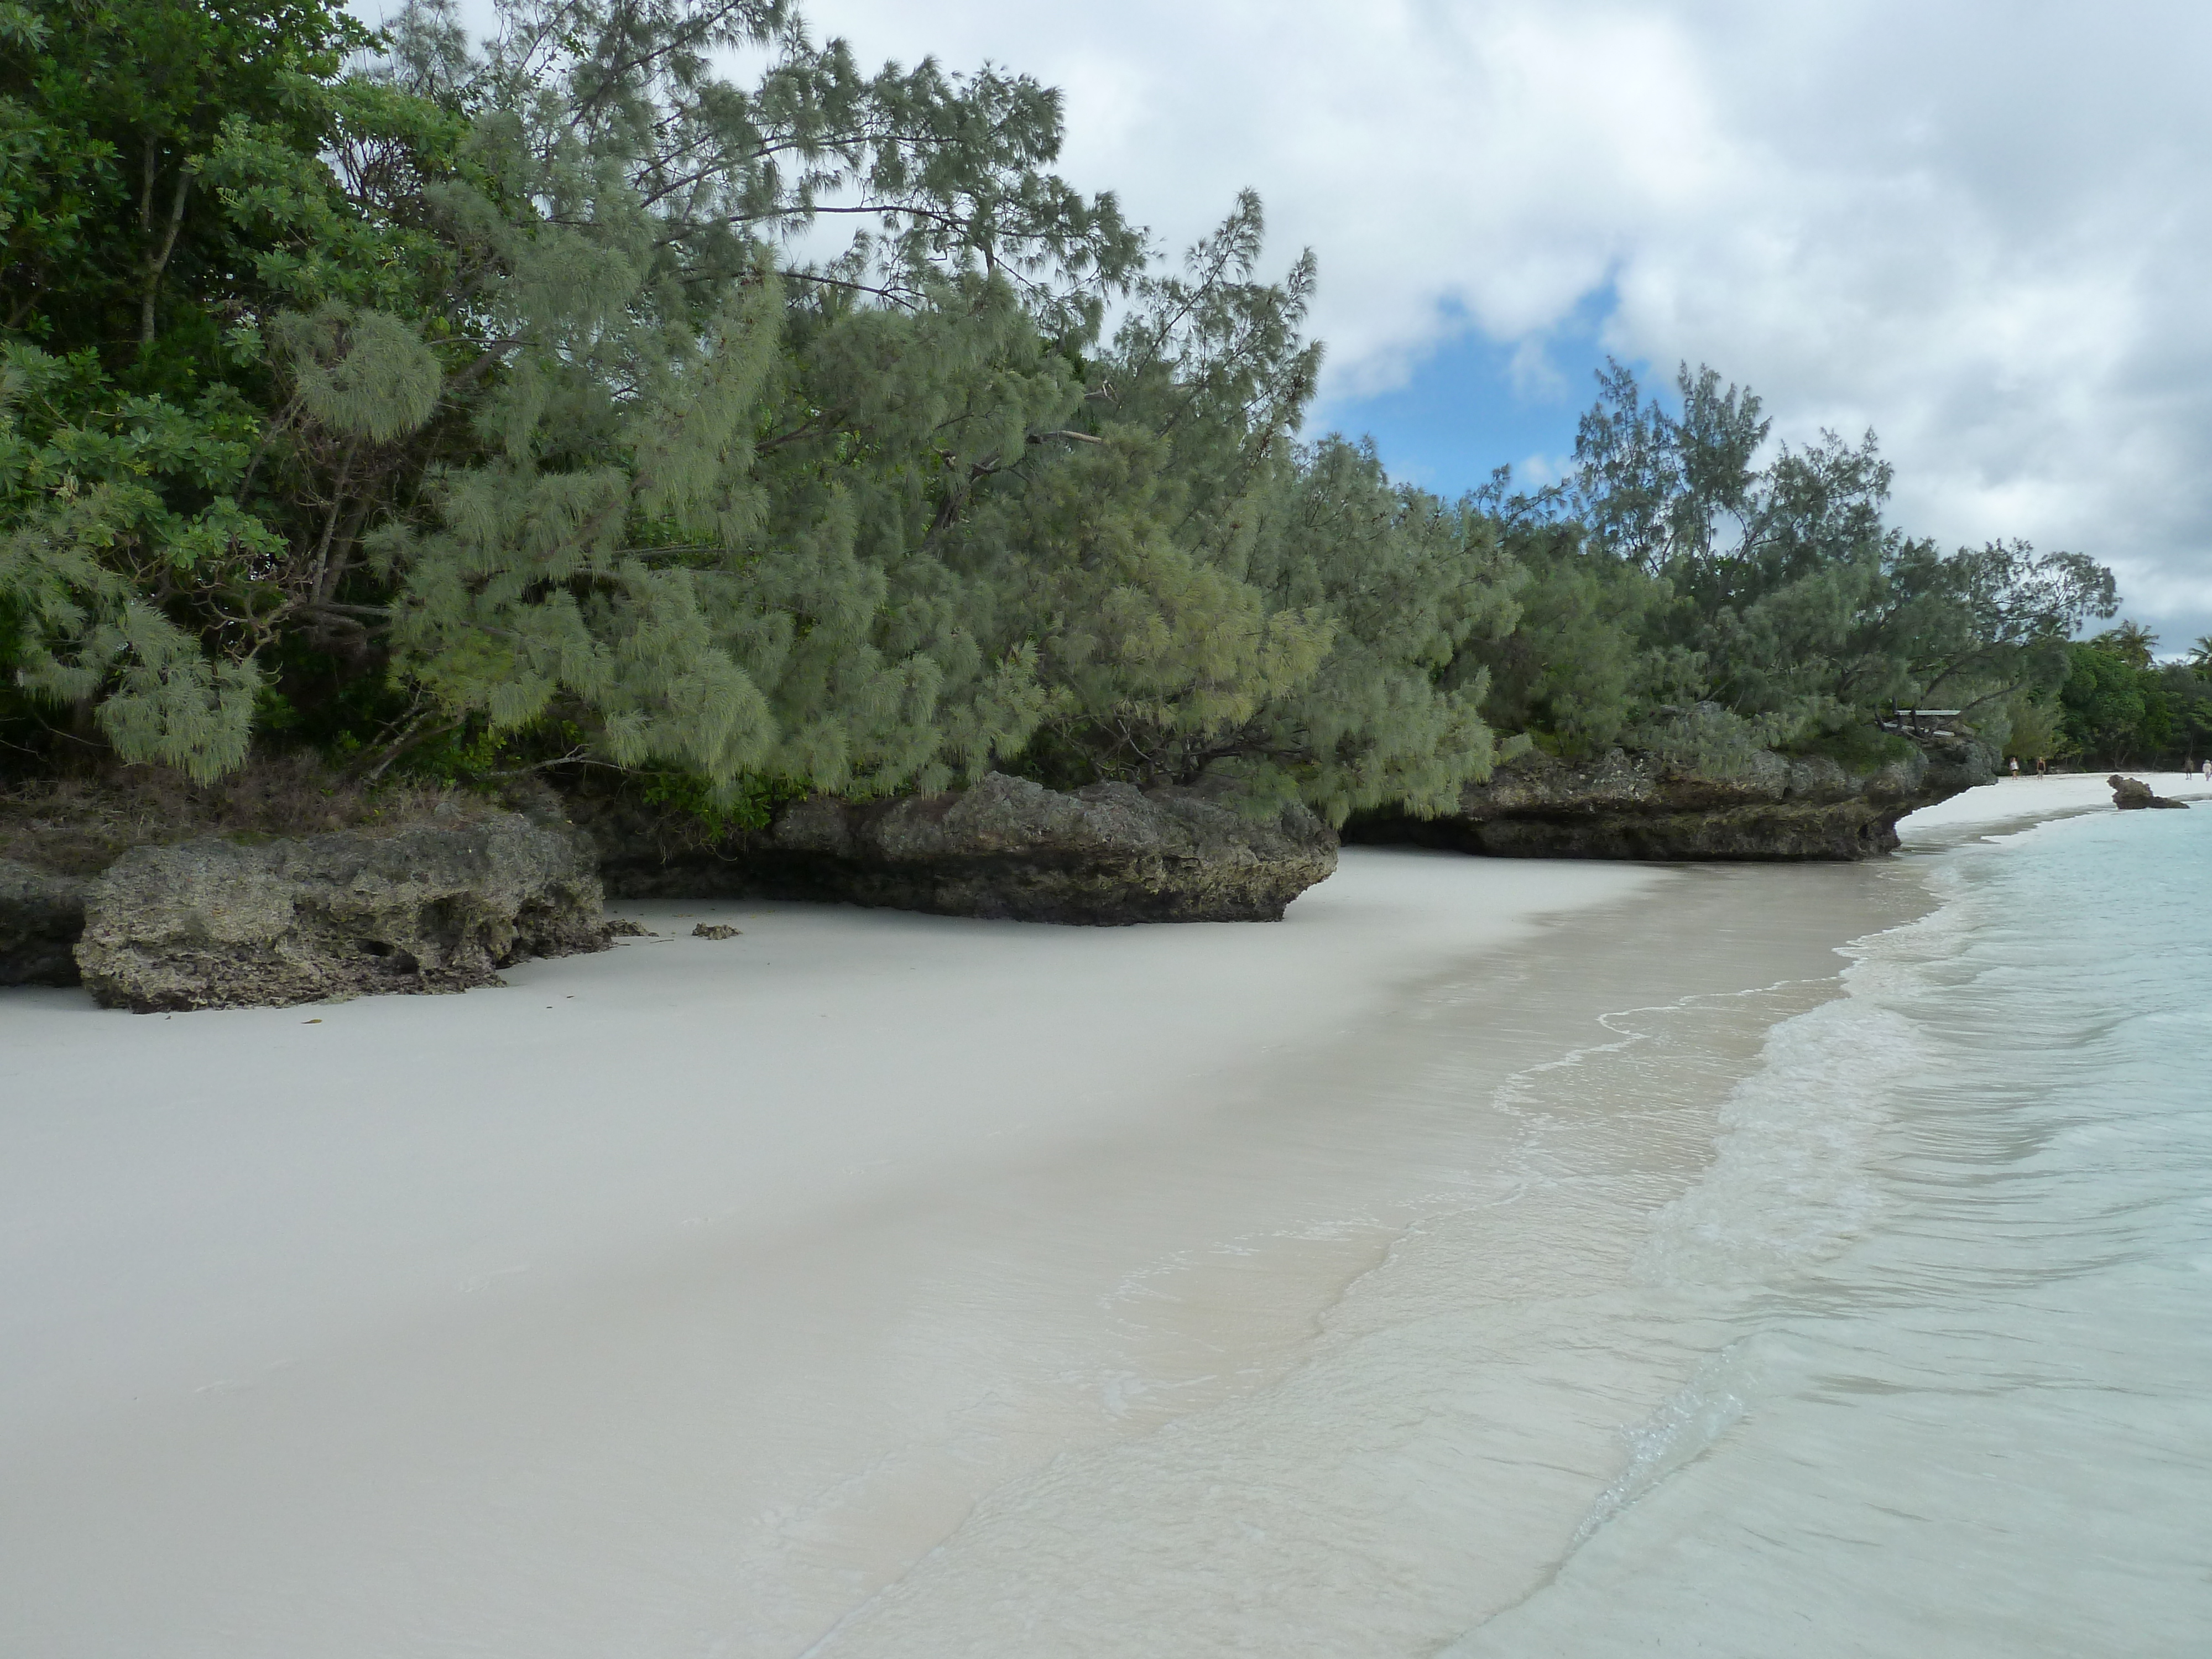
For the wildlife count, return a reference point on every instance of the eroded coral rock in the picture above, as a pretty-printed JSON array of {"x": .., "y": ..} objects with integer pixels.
[
  {"x": 1625, "y": 805},
  {"x": 41, "y": 916},
  {"x": 1104, "y": 856},
  {"x": 222, "y": 923},
  {"x": 2133, "y": 794}
]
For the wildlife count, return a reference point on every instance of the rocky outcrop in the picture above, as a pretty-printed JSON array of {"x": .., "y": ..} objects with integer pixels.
[
  {"x": 2133, "y": 795},
  {"x": 40, "y": 917},
  {"x": 1628, "y": 806},
  {"x": 223, "y": 923},
  {"x": 1104, "y": 856}
]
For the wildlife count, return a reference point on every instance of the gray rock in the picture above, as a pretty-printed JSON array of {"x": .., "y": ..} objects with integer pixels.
[
  {"x": 1105, "y": 855},
  {"x": 222, "y": 923},
  {"x": 2133, "y": 795},
  {"x": 1628, "y": 806},
  {"x": 40, "y": 917}
]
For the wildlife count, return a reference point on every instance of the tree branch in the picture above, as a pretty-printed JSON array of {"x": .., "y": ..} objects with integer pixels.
[{"x": 157, "y": 263}]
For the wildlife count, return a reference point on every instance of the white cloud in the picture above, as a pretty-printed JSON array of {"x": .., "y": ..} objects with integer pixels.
[{"x": 1981, "y": 229}]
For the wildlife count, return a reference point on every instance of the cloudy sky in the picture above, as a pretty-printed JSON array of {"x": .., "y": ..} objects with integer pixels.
[{"x": 1983, "y": 229}]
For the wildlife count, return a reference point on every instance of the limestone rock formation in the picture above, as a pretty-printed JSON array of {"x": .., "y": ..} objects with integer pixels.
[
  {"x": 1104, "y": 856},
  {"x": 1628, "y": 806},
  {"x": 222, "y": 923},
  {"x": 40, "y": 917},
  {"x": 2133, "y": 794}
]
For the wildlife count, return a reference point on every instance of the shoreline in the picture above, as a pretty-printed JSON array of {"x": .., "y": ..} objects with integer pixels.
[
  {"x": 2013, "y": 803},
  {"x": 702, "y": 1314}
]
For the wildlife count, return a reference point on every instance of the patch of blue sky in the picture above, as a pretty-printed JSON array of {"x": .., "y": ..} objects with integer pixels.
[{"x": 1475, "y": 403}]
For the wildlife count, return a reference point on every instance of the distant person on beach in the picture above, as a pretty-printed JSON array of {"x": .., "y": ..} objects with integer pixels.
[
  {"x": 2015, "y": 766},
  {"x": 2042, "y": 766},
  {"x": 2208, "y": 774}
]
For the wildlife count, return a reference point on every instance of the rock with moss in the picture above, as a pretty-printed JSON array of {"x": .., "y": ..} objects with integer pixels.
[
  {"x": 1626, "y": 804},
  {"x": 1104, "y": 856},
  {"x": 222, "y": 922},
  {"x": 41, "y": 914}
]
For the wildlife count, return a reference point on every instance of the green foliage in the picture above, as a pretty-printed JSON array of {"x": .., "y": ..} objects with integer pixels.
[
  {"x": 502, "y": 330},
  {"x": 1406, "y": 582},
  {"x": 455, "y": 407},
  {"x": 2131, "y": 643},
  {"x": 1572, "y": 668},
  {"x": 2118, "y": 707},
  {"x": 160, "y": 528},
  {"x": 2188, "y": 697},
  {"x": 2035, "y": 727},
  {"x": 109, "y": 113},
  {"x": 1859, "y": 746},
  {"x": 2105, "y": 703},
  {"x": 108, "y": 510},
  {"x": 525, "y": 411},
  {"x": 1222, "y": 602},
  {"x": 1690, "y": 597},
  {"x": 718, "y": 811}
]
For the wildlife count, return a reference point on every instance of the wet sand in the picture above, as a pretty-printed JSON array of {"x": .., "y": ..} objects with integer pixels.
[{"x": 819, "y": 1289}]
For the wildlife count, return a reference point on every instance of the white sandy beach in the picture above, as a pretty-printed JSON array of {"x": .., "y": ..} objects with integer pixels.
[
  {"x": 2028, "y": 800},
  {"x": 684, "y": 1299}
]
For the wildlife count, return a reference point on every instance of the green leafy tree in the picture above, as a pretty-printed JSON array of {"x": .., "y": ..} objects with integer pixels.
[
  {"x": 1574, "y": 669},
  {"x": 556, "y": 397},
  {"x": 1726, "y": 599},
  {"x": 2035, "y": 727},
  {"x": 2131, "y": 642},
  {"x": 160, "y": 531},
  {"x": 2120, "y": 709},
  {"x": 689, "y": 538},
  {"x": 2188, "y": 701},
  {"x": 1216, "y": 601},
  {"x": 505, "y": 327},
  {"x": 116, "y": 240},
  {"x": 1406, "y": 582},
  {"x": 2104, "y": 706}
]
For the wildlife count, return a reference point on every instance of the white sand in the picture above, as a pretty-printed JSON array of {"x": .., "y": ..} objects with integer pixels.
[
  {"x": 2014, "y": 802},
  {"x": 676, "y": 1301},
  {"x": 504, "y": 1323}
]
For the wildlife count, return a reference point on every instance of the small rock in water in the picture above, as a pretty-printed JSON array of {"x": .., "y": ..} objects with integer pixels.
[{"x": 714, "y": 930}]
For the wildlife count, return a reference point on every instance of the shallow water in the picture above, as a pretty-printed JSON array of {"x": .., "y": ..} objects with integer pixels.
[
  {"x": 1962, "y": 1407},
  {"x": 1788, "y": 1321}
]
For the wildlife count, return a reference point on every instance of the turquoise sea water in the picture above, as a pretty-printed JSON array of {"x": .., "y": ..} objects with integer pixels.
[{"x": 1958, "y": 1244}]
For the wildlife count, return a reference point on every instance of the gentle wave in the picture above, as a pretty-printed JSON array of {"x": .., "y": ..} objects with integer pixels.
[{"x": 1960, "y": 1225}]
